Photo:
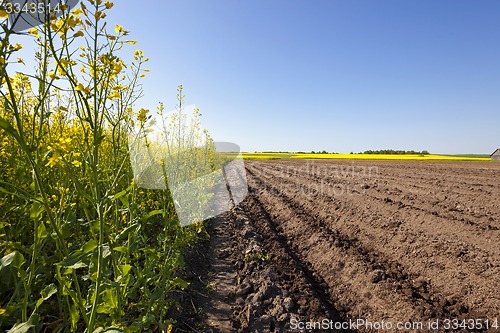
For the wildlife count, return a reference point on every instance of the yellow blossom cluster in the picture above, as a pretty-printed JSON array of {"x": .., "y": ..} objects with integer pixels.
[
  {"x": 142, "y": 115},
  {"x": 4, "y": 147}
]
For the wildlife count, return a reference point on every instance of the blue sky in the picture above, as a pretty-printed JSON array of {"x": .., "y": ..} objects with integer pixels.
[{"x": 341, "y": 76}]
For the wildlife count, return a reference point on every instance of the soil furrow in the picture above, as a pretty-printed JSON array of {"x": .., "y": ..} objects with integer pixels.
[
  {"x": 380, "y": 270},
  {"x": 390, "y": 241}
]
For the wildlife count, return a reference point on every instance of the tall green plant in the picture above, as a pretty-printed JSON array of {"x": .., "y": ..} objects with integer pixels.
[{"x": 82, "y": 247}]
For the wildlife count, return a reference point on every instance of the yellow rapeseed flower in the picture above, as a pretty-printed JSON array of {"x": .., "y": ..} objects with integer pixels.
[
  {"x": 77, "y": 11},
  {"x": 114, "y": 95},
  {"x": 141, "y": 116},
  {"x": 138, "y": 53},
  {"x": 108, "y": 4},
  {"x": 3, "y": 14},
  {"x": 34, "y": 32},
  {"x": 77, "y": 163},
  {"x": 72, "y": 21},
  {"x": 119, "y": 29},
  {"x": 117, "y": 67},
  {"x": 79, "y": 33},
  {"x": 81, "y": 88},
  {"x": 99, "y": 15},
  {"x": 53, "y": 75},
  {"x": 120, "y": 87},
  {"x": 53, "y": 160},
  {"x": 64, "y": 144}
]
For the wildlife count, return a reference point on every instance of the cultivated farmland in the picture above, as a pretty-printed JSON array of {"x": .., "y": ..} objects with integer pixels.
[{"x": 399, "y": 241}]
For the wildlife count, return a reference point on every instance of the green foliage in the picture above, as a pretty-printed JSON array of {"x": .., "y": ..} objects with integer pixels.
[
  {"x": 257, "y": 256},
  {"x": 82, "y": 247}
]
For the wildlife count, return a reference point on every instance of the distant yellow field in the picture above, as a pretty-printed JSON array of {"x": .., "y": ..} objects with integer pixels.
[{"x": 415, "y": 157}]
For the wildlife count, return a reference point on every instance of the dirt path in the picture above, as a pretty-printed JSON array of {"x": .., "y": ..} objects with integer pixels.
[
  {"x": 408, "y": 242},
  {"x": 222, "y": 276},
  {"x": 257, "y": 282}
]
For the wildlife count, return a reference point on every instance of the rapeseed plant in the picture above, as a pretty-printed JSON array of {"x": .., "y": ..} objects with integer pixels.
[{"x": 83, "y": 248}]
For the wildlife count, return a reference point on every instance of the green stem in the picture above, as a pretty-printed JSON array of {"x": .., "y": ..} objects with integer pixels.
[{"x": 97, "y": 194}]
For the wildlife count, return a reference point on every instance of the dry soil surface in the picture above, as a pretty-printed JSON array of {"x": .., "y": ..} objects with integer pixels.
[{"x": 391, "y": 241}]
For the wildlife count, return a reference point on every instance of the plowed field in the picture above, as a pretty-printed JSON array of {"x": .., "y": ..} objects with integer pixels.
[{"x": 399, "y": 242}]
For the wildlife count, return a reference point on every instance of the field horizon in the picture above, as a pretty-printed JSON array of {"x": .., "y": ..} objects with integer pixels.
[{"x": 363, "y": 156}]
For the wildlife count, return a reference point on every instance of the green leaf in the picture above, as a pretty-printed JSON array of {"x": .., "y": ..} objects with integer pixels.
[
  {"x": 177, "y": 281},
  {"x": 152, "y": 213},
  {"x": 134, "y": 227},
  {"x": 36, "y": 210},
  {"x": 41, "y": 232},
  {"x": 109, "y": 301},
  {"x": 125, "y": 202},
  {"x": 48, "y": 291},
  {"x": 3, "y": 190},
  {"x": 21, "y": 327},
  {"x": 125, "y": 269},
  {"x": 122, "y": 249},
  {"x": 75, "y": 260},
  {"x": 18, "y": 192},
  {"x": 6, "y": 261},
  {"x": 122, "y": 196},
  {"x": 106, "y": 251},
  {"x": 18, "y": 260},
  {"x": 7, "y": 271},
  {"x": 90, "y": 246},
  {"x": 39, "y": 302},
  {"x": 111, "y": 329},
  {"x": 75, "y": 317},
  {"x": 7, "y": 127}
]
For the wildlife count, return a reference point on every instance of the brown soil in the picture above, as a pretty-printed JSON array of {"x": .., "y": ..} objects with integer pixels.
[{"x": 398, "y": 241}]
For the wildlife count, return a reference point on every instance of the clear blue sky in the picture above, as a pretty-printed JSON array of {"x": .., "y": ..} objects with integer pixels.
[{"x": 342, "y": 76}]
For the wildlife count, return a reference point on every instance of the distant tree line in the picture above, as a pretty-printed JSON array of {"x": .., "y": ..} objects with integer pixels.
[
  {"x": 396, "y": 152},
  {"x": 316, "y": 152}
]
